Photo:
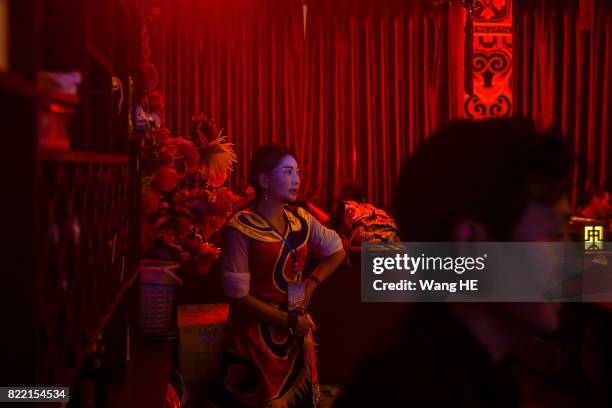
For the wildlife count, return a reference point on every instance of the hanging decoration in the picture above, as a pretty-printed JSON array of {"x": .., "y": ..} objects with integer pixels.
[{"x": 488, "y": 58}]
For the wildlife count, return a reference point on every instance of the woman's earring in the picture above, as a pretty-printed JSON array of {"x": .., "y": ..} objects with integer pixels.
[{"x": 266, "y": 195}]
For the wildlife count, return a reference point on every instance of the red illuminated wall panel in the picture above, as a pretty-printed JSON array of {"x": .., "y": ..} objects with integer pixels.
[{"x": 492, "y": 61}]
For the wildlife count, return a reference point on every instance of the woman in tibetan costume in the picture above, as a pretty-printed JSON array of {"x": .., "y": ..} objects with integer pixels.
[{"x": 269, "y": 360}]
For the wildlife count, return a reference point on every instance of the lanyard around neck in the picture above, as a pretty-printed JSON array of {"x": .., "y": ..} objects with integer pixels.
[{"x": 298, "y": 274}]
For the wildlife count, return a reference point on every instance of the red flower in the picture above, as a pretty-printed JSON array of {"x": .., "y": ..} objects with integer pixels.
[
  {"x": 209, "y": 250},
  {"x": 183, "y": 228},
  {"x": 192, "y": 157},
  {"x": 174, "y": 230},
  {"x": 150, "y": 200},
  {"x": 161, "y": 136},
  {"x": 193, "y": 244},
  {"x": 203, "y": 130},
  {"x": 208, "y": 254},
  {"x": 211, "y": 224},
  {"x": 243, "y": 201},
  {"x": 171, "y": 150},
  {"x": 152, "y": 161},
  {"x": 166, "y": 179},
  {"x": 223, "y": 201}
]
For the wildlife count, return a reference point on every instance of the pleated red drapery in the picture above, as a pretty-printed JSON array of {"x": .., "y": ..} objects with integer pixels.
[
  {"x": 368, "y": 82},
  {"x": 563, "y": 77},
  {"x": 371, "y": 83},
  {"x": 237, "y": 61},
  {"x": 378, "y": 80}
]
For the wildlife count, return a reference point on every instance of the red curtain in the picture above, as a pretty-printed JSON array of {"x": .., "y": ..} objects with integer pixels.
[
  {"x": 371, "y": 83},
  {"x": 563, "y": 77},
  {"x": 377, "y": 82},
  {"x": 237, "y": 61},
  {"x": 372, "y": 79}
]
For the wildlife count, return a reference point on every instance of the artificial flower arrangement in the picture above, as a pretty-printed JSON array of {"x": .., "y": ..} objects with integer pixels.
[{"x": 185, "y": 198}]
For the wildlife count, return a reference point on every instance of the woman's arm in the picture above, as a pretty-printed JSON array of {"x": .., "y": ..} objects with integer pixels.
[
  {"x": 261, "y": 311},
  {"x": 329, "y": 245},
  {"x": 255, "y": 308},
  {"x": 327, "y": 266}
]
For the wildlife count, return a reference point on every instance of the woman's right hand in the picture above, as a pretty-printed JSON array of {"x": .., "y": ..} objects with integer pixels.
[{"x": 304, "y": 324}]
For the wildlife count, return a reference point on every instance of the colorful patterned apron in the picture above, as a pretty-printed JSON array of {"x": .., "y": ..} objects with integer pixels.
[{"x": 264, "y": 365}]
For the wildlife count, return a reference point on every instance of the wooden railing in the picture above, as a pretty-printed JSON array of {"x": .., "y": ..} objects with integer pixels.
[{"x": 82, "y": 266}]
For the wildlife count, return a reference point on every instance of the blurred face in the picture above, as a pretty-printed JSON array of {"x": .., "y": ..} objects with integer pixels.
[
  {"x": 539, "y": 223},
  {"x": 283, "y": 181}
]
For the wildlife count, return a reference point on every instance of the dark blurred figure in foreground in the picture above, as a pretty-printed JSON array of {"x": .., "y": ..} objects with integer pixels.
[{"x": 493, "y": 180}]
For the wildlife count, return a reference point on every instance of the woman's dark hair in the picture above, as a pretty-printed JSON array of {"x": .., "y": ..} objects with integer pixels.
[
  {"x": 487, "y": 171},
  {"x": 264, "y": 160}
]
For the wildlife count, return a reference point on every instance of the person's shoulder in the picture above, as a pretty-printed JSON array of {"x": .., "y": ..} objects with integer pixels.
[
  {"x": 298, "y": 209},
  {"x": 238, "y": 218},
  {"x": 249, "y": 223},
  {"x": 247, "y": 211},
  {"x": 300, "y": 212}
]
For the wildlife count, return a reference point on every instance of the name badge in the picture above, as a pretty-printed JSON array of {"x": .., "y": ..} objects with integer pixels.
[{"x": 296, "y": 296}]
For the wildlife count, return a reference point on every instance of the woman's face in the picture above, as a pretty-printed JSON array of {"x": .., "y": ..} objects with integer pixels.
[{"x": 283, "y": 181}]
